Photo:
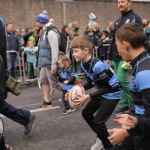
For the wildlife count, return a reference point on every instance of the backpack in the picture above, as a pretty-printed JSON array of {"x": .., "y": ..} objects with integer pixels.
[{"x": 63, "y": 43}]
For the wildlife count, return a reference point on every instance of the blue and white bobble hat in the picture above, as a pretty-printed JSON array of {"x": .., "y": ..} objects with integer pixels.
[{"x": 43, "y": 17}]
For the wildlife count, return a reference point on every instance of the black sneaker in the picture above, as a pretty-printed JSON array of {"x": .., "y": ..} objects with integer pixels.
[
  {"x": 46, "y": 105},
  {"x": 121, "y": 110},
  {"x": 66, "y": 112},
  {"x": 29, "y": 126}
]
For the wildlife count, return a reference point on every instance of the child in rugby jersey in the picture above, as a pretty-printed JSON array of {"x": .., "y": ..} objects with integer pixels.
[
  {"x": 67, "y": 78},
  {"x": 103, "y": 101}
]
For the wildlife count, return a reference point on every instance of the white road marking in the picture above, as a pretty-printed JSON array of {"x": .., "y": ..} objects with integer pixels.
[
  {"x": 28, "y": 105},
  {"x": 44, "y": 109}
]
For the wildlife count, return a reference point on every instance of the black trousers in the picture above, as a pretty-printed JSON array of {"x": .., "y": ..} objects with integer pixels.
[
  {"x": 2, "y": 144},
  {"x": 66, "y": 103},
  {"x": 104, "y": 108}
]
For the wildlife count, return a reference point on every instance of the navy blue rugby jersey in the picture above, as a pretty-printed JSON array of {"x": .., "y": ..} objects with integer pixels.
[
  {"x": 140, "y": 83},
  {"x": 98, "y": 74},
  {"x": 67, "y": 75}
]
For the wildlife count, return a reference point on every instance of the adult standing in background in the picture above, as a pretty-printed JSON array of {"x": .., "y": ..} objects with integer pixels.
[
  {"x": 127, "y": 15},
  {"x": 75, "y": 30},
  {"x": 47, "y": 57},
  {"x": 12, "y": 45},
  {"x": 109, "y": 28},
  {"x": 66, "y": 41},
  {"x": 21, "y": 116},
  {"x": 51, "y": 20}
]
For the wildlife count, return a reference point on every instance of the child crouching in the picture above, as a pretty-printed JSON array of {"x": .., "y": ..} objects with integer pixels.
[{"x": 67, "y": 78}]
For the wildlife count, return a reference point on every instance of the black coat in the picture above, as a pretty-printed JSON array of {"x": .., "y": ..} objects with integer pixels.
[
  {"x": 3, "y": 63},
  {"x": 127, "y": 17}
]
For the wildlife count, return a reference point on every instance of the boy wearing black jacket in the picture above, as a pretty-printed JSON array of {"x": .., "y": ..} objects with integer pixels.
[{"x": 24, "y": 117}]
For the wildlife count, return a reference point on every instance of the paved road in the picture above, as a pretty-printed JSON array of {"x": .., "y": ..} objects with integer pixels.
[{"x": 52, "y": 131}]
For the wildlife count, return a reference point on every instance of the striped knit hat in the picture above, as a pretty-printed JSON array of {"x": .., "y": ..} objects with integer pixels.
[{"x": 43, "y": 17}]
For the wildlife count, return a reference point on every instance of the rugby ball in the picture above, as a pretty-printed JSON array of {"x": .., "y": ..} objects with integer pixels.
[{"x": 77, "y": 89}]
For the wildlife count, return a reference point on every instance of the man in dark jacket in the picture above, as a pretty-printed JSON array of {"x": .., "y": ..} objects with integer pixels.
[
  {"x": 127, "y": 15},
  {"x": 12, "y": 45},
  {"x": 24, "y": 117}
]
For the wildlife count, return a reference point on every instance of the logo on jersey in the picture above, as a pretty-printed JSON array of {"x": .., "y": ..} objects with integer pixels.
[
  {"x": 102, "y": 75},
  {"x": 127, "y": 21}
]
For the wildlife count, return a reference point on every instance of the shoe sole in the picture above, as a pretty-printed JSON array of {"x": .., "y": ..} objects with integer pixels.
[
  {"x": 65, "y": 113},
  {"x": 73, "y": 110},
  {"x": 102, "y": 148}
]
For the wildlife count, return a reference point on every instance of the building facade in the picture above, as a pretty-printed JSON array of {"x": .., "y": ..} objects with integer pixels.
[{"x": 22, "y": 13}]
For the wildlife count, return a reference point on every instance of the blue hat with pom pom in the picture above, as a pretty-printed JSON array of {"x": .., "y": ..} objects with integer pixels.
[{"x": 43, "y": 17}]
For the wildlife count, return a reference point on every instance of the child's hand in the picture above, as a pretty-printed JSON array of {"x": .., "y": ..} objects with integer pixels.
[
  {"x": 81, "y": 99},
  {"x": 127, "y": 121},
  {"x": 66, "y": 82},
  {"x": 67, "y": 95},
  {"x": 117, "y": 135},
  {"x": 32, "y": 52}
]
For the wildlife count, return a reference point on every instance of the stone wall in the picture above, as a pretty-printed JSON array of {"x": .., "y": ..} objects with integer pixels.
[{"x": 22, "y": 13}]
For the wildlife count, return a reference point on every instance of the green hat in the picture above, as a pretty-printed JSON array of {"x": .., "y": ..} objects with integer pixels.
[{"x": 32, "y": 38}]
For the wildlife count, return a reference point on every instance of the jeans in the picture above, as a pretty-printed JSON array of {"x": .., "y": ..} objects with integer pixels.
[
  {"x": 34, "y": 69},
  {"x": 12, "y": 60},
  {"x": 18, "y": 115},
  {"x": 103, "y": 108}
]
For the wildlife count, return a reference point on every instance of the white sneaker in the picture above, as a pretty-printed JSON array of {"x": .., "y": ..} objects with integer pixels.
[
  {"x": 98, "y": 145},
  {"x": 65, "y": 112}
]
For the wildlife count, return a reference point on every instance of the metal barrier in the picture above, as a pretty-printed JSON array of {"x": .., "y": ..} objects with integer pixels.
[
  {"x": 25, "y": 80},
  {"x": 102, "y": 50},
  {"x": 19, "y": 61},
  {"x": 76, "y": 66}
]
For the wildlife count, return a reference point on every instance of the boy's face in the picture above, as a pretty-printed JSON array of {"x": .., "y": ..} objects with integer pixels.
[
  {"x": 79, "y": 55},
  {"x": 123, "y": 50}
]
